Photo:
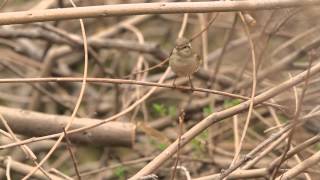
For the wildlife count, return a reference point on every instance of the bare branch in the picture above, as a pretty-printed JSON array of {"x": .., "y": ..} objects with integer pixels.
[
  {"x": 147, "y": 8},
  {"x": 39, "y": 124}
]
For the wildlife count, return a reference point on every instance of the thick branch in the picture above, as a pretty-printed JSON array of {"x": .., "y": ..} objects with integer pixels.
[
  {"x": 24, "y": 169},
  {"x": 239, "y": 174},
  {"x": 219, "y": 116},
  {"x": 311, "y": 161},
  {"x": 38, "y": 124},
  {"x": 147, "y": 8}
]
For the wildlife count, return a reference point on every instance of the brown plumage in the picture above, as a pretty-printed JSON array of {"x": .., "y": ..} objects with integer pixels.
[{"x": 183, "y": 61}]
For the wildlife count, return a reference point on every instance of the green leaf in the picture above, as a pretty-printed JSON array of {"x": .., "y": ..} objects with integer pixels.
[
  {"x": 204, "y": 135},
  {"x": 231, "y": 102},
  {"x": 160, "y": 109},
  {"x": 161, "y": 146},
  {"x": 206, "y": 111},
  {"x": 156, "y": 144},
  {"x": 196, "y": 144},
  {"x": 172, "y": 110},
  {"x": 120, "y": 172}
]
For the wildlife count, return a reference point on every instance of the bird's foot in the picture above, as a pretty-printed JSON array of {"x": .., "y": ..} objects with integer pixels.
[
  {"x": 174, "y": 86},
  {"x": 191, "y": 84},
  {"x": 192, "y": 89}
]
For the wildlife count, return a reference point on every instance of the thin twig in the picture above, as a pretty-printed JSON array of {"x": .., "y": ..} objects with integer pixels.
[
  {"x": 181, "y": 119},
  {"x": 186, "y": 172},
  {"x": 218, "y": 116},
  {"x": 295, "y": 119},
  {"x": 112, "y": 118},
  {"x": 73, "y": 157},
  {"x": 254, "y": 84},
  {"x": 204, "y": 29},
  {"x": 290, "y": 174},
  {"x": 181, "y": 32},
  {"x": 24, "y": 148},
  {"x": 149, "y": 69},
  {"x": 83, "y": 86},
  {"x": 183, "y": 25},
  {"x": 39, "y": 88},
  {"x": 8, "y": 168},
  {"x": 125, "y": 81},
  {"x": 204, "y": 40},
  {"x": 227, "y": 38}
]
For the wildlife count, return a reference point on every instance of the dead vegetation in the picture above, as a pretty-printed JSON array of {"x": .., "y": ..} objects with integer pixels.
[{"x": 95, "y": 99}]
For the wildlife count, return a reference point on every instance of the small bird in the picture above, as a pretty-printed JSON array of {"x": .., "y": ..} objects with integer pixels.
[{"x": 183, "y": 61}]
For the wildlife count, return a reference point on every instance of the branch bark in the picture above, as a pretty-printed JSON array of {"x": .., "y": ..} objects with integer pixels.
[
  {"x": 147, "y": 8},
  {"x": 24, "y": 169},
  {"x": 240, "y": 174},
  {"x": 217, "y": 117},
  {"x": 32, "y": 123},
  {"x": 293, "y": 172}
]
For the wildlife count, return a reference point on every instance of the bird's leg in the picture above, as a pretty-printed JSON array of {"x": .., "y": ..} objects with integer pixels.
[
  {"x": 174, "y": 82},
  {"x": 191, "y": 85}
]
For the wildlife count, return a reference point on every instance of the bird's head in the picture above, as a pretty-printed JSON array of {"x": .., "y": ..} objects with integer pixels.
[{"x": 183, "y": 46}]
